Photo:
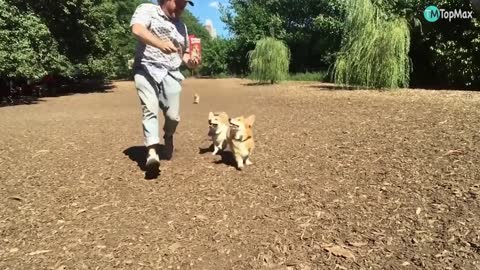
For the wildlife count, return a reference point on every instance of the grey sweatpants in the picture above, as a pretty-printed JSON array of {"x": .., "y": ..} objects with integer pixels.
[{"x": 153, "y": 97}]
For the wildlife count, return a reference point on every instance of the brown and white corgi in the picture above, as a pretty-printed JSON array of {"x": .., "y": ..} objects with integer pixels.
[
  {"x": 241, "y": 139},
  {"x": 218, "y": 130}
]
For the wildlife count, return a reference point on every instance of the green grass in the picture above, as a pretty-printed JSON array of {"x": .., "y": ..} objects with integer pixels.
[
  {"x": 302, "y": 76},
  {"x": 308, "y": 76}
]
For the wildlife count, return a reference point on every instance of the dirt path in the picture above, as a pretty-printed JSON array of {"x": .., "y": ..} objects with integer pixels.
[{"x": 386, "y": 180}]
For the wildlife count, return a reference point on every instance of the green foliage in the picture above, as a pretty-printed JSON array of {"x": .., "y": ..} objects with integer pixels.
[
  {"x": 447, "y": 54},
  {"x": 27, "y": 49},
  {"x": 444, "y": 54},
  {"x": 311, "y": 29},
  {"x": 92, "y": 39},
  {"x": 269, "y": 60},
  {"x": 215, "y": 57},
  {"x": 374, "y": 50},
  {"x": 70, "y": 38}
]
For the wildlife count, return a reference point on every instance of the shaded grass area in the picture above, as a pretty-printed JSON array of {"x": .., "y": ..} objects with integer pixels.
[
  {"x": 308, "y": 76},
  {"x": 34, "y": 94}
]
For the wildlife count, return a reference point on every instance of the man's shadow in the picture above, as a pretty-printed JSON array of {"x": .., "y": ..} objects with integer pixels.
[
  {"x": 227, "y": 157},
  {"x": 139, "y": 155}
]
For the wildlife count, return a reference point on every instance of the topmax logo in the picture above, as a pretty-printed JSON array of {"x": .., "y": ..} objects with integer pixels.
[{"x": 433, "y": 14}]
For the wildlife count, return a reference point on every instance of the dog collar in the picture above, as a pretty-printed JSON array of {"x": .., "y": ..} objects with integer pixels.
[{"x": 241, "y": 140}]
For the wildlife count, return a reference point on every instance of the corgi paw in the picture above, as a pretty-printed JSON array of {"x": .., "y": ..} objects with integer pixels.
[
  {"x": 248, "y": 162},
  {"x": 240, "y": 164}
]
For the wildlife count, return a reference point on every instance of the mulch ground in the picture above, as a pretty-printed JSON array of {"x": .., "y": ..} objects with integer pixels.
[{"x": 341, "y": 180}]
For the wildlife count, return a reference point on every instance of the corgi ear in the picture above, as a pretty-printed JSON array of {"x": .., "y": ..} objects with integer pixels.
[
  {"x": 210, "y": 115},
  {"x": 250, "y": 120}
]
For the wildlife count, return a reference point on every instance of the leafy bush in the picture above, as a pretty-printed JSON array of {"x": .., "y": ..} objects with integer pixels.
[
  {"x": 215, "y": 57},
  {"x": 269, "y": 60},
  {"x": 27, "y": 48},
  {"x": 374, "y": 50}
]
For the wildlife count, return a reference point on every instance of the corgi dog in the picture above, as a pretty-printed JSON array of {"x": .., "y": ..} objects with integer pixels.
[
  {"x": 196, "y": 99},
  {"x": 241, "y": 139},
  {"x": 218, "y": 130}
]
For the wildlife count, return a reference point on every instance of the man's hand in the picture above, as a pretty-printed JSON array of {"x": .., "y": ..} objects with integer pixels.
[
  {"x": 191, "y": 63},
  {"x": 142, "y": 34},
  {"x": 167, "y": 46}
]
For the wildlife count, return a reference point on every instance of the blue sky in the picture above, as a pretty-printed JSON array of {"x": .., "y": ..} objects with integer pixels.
[{"x": 208, "y": 10}]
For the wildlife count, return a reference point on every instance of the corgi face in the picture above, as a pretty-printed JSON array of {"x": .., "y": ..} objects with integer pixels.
[
  {"x": 241, "y": 123},
  {"x": 217, "y": 119}
]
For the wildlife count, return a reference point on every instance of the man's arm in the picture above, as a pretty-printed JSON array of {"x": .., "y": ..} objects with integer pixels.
[
  {"x": 141, "y": 21},
  {"x": 144, "y": 35}
]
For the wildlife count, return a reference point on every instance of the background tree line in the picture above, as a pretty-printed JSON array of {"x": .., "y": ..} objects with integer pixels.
[
  {"x": 75, "y": 40},
  {"x": 56, "y": 43},
  {"x": 443, "y": 54}
]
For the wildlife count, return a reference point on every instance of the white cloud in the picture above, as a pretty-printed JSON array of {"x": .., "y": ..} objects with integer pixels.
[
  {"x": 214, "y": 5},
  {"x": 208, "y": 22}
]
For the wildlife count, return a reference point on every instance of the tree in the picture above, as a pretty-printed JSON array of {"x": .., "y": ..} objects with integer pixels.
[
  {"x": 374, "y": 50},
  {"x": 311, "y": 28},
  {"x": 269, "y": 60},
  {"x": 215, "y": 57},
  {"x": 445, "y": 54},
  {"x": 27, "y": 48}
]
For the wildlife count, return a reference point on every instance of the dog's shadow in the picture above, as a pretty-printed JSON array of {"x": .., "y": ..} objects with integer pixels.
[
  {"x": 139, "y": 155},
  {"x": 209, "y": 149},
  {"x": 227, "y": 157}
]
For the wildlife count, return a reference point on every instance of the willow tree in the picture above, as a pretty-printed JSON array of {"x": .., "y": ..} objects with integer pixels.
[
  {"x": 269, "y": 60},
  {"x": 374, "y": 50}
]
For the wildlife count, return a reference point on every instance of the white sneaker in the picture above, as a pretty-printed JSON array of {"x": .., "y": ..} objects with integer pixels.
[{"x": 153, "y": 160}]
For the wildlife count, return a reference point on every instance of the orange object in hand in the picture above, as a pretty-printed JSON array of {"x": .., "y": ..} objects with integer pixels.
[{"x": 195, "y": 47}]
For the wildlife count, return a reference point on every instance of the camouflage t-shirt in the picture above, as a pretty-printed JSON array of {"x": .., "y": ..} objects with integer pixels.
[{"x": 157, "y": 63}]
